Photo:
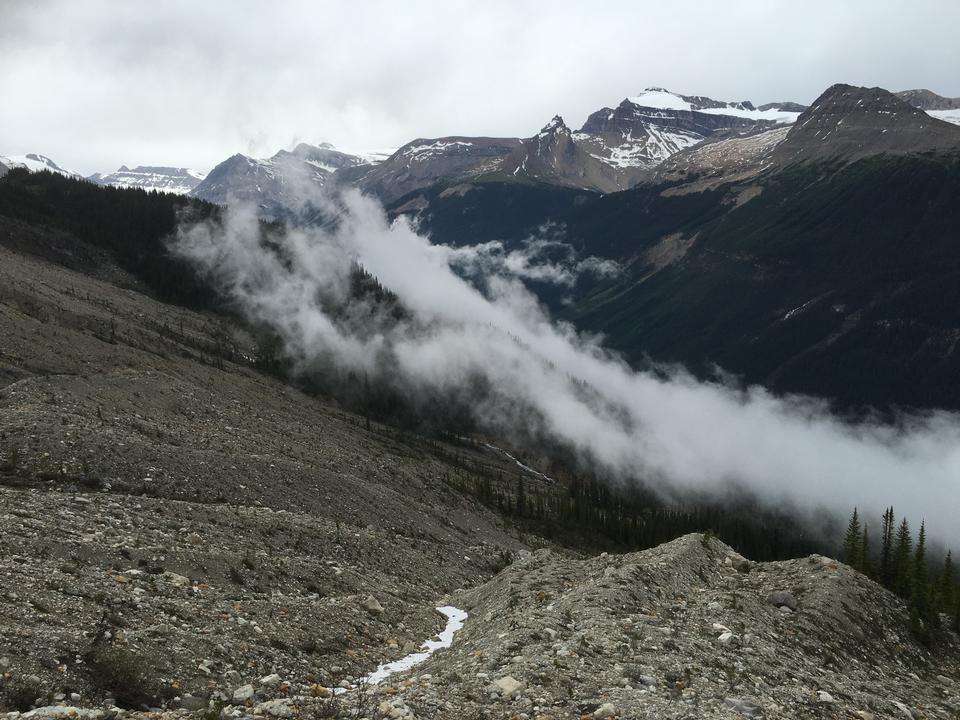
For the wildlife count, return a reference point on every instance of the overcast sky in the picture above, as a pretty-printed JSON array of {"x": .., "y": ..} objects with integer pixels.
[{"x": 95, "y": 84}]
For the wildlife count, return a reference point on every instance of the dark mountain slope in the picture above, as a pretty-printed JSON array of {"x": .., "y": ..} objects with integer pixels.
[{"x": 838, "y": 281}]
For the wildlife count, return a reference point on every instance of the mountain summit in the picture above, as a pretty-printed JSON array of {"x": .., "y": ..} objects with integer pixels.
[{"x": 853, "y": 122}]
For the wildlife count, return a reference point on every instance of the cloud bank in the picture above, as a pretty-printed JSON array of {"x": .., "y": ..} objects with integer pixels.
[
  {"x": 98, "y": 83},
  {"x": 678, "y": 434}
]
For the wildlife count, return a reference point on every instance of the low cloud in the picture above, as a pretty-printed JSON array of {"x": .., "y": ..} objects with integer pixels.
[
  {"x": 543, "y": 257},
  {"x": 676, "y": 433}
]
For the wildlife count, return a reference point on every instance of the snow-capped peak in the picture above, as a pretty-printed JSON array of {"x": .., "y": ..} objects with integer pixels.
[
  {"x": 35, "y": 163},
  {"x": 661, "y": 99}
]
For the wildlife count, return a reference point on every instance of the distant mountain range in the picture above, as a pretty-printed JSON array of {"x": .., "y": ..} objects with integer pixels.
[
  {"x": 178, "y": 181},
  {"x": 653, "y": 136}
]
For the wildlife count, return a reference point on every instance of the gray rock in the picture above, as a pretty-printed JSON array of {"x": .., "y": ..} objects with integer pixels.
[
  {"x": 607, "y": 710},
  {"x": 243, "y": 693},
  {"x": 507, "y": 686},
  {"x": 271, "y": 680},
  {"x": 745, "y": 706},
  {"x": 782, "y": 598},
  {"x": 372, "y": 605},
  {"x": 280, "y": 708},
  {"x": 232, "y": 677},
  {"x": 193, "y": 702}
]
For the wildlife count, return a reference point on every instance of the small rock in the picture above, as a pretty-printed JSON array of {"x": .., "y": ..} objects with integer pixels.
[
  {"x": 270, "y": 680},
  {"x": 729, "y": 638},
  {"x": 372, "y": 605},
  {"x": 193, "y": 702},
  {"x": 242, "y": 694},
  {"x": 607, "y": 710},
  {"x": 781, "y": 598},
  {"x": 179, "y": 580},
  {"x": 232, "y": 677},
  {"x": 508, "y": 686},
  {"x": 904, "y": 710},
  {"x": 745, "y": 706},
  {"x": 280, "y": 708},
  {"x": 824, "y": 697}
]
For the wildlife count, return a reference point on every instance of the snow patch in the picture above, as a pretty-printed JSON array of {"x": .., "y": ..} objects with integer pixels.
[{"x": 455, "y": 619}]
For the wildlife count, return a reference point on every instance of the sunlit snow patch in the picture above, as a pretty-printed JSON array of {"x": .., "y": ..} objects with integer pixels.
[{"x": 455, "y": 619}]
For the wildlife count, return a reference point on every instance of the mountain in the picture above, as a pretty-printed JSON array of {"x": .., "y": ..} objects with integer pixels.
[
  {"x": 614, "y": 150},
  {"x": 553, "y": 156},
  {"x": 852, "y": 122},
  {"x": 277, "y": 185},
  {"x": 178, "y": 181},
  {"x": 942, "y": 108},
  {"x": 645, "y": 130},
  {"x": 927, "y": 100},
  {"x": 425, "y": 162},
  {"x": 32, "y": 162}
]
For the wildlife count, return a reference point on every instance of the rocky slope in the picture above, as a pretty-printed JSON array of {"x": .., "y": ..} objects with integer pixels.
[
  {"x": 179, "y": 181},
  {"x": 173, "y": 520}
]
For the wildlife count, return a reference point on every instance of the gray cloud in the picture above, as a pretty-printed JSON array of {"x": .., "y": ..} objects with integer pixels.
[
  {"x": 666, "y": 427},
  {"x": 95, "y": 83}
]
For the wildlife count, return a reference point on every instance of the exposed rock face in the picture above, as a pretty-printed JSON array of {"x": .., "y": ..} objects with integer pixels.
[
  {"x": 278, "y": 184},
  {"x": 179, "y": 181},
  {"x": 849, "y": 123}
]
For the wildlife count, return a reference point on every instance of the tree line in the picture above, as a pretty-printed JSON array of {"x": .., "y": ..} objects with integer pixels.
[{"x": 901, "y": 564}]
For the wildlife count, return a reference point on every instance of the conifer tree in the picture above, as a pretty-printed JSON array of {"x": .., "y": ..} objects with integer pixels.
[
  {"x": 851, "y": 541},
  {"x": 887, "y": 576},
  {"x": 946, "y": 589},
  {"x": 920, "y": 584},
  {"x": 863, "y": 553},
  {"x": 902, "y": 560}
]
